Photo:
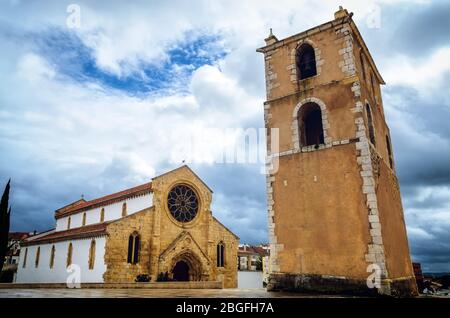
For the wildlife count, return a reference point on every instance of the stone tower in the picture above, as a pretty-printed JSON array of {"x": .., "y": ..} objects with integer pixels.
[{"x": 336, "y": 220}]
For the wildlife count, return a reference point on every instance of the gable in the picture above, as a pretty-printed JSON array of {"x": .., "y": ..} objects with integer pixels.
[
  {"x": 184, "y": 242},
  {"x": 184, "y": 169}
]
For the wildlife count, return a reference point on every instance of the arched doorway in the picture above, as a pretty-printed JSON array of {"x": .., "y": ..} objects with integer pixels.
[
  {"x": 186, "y": 266},
  {"x": 180, "y": 271}
]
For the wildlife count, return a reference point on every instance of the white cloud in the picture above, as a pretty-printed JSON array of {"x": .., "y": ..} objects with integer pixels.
[
  {"x": 423, "y": 73},
  {"x": 32, "y": 68},
  {"x": 418, "y": 234}
]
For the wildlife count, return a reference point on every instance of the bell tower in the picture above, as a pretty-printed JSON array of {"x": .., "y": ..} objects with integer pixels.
[{"x": 336, "y": 221}]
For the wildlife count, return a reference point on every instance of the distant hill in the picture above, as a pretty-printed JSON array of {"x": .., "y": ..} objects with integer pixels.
[
  {"x": 441, "y": 278},
  {"x": 439, "y": 274}
]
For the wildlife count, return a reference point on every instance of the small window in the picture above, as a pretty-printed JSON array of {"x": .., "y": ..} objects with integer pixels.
[
  {"x": 69, "y": 255},
  {"x": 306, "y": 61},
  {"x": 52, "y": 257},
  {"x": 310, "y": 126},
  {"x": 389, "y": 150},
  {"x": 363, "y": 65},
  {"x": 84, "y": 219},
  {"x": 102, "y": 215},
  {"x": 220, "y": 255},
  {"x": 24, "y": 264},
  {"x": 133, "y": 248},
  {"x": 370, "y": 123},
  {"x": 68, "y": 222},
  {"x": 38, "y": 254},
  {"x": 124, "y": 209},
  {"x": 92, "y": 255}
]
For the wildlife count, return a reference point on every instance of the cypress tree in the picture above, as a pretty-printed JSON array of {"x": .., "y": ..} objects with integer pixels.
[{"x": 5, "y": 212}]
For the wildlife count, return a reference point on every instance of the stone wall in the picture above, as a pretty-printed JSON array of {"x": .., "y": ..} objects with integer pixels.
[
  {"x": 164, "y": 241},
  {"x": 228, "y": 273},
  {"x": 326, "y": 196},
  {"x": 116, "y": 249}
]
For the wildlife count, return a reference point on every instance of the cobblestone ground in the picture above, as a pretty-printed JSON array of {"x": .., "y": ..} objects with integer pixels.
[
  {"x": 160, "y": 293},
  {"x": 144, "y": 293}
]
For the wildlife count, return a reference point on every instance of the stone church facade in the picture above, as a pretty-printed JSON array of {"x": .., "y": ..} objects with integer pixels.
[
  {"x": 334, "y": 205},
  {"x": 163, "y": 229}
]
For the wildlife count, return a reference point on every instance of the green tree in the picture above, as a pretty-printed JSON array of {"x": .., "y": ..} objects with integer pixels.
[{"x": 5, "y": 212}]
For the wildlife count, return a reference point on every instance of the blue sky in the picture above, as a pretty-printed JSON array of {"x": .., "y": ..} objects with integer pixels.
[{"x": 106, "y": 106}]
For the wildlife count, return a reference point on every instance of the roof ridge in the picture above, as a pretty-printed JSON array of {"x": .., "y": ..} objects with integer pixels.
[
  {"x": 121, "y": 191},
  {"x": 106, "y": 198}
]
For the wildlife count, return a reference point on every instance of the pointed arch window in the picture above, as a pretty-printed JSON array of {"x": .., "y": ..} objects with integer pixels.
[
  {"x": 38, "y": 254},
  {"x": 102, "y": 215},
  {"x": 220, "y": 255},
  {"x": 133, "y": 248},
  {"x": 306, "y": 61},
  {"x": 68, "y": 222},
  {"x": 84, "y": 219},
  {"x": 124, "y": 209},
  {"x": 370, "y": 123},
  {"x": 24, "y": 264},
  {"x": 69, "y": 255},
  {"x": 52, "y": 256},
  {"x": 92, "y": 255},
  {"x": 310, "y": 127}
]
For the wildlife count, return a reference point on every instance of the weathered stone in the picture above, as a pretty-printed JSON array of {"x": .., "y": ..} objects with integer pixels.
[
  {"x": 165, "y": 241},
  {"x": 335, "y": 184}
]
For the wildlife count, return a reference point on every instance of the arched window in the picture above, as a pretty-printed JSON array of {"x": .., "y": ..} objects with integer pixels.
[
  {"x": 102, "y": 215},
  {"x": 389, "y": 150},
  {"x": 52, "y": 256},
  {"x": 24, "y": 264},
  {"x": 370, "y": 123},
  {"x": 38, "y": 254},
  {"x": 306, "y": 61},
  {"x": 363, "y": 65},
  {"x": 310, "y": 126},
  {"x": 92, "y": 255},
  {"x": 84, "y": 219},
  {"x": 69, "y": 255},
  {"x": 124, "y": 209},
  {"x": 133, "y": 248},
  {"x": 68, "y": 222},
  {"x": 220, "y": 255}
]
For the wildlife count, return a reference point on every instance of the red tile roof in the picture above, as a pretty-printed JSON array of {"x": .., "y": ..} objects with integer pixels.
[
  {"x": 81, "y": 205},
  {"x": 252, "y": 250},
  {"x": 77, "y": 233},
  {"x": 17, "y": 236}
]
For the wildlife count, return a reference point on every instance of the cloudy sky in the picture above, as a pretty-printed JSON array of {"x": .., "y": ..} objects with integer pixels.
[{"x": 108, "y": 105}]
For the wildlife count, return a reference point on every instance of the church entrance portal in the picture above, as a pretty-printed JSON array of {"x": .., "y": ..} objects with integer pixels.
[
  {"x": 186, "y": 267},
  {"x": 181, "y": 272}
]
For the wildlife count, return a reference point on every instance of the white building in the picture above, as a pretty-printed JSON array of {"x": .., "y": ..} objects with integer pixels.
[
  {"x": 250, "y": 258},
  {"x": 78, "y": 238}
]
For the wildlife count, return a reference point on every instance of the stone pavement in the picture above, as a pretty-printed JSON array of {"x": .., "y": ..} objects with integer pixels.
[{"x": 144, "y": 293}]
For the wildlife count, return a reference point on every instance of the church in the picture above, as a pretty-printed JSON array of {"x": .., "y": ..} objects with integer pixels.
[{"x": 164, "y": 229}]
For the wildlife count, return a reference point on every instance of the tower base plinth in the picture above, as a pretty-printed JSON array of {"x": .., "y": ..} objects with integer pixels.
[{"x": 337, "y": 285}]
